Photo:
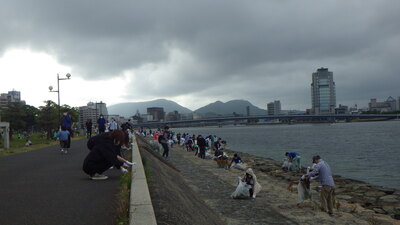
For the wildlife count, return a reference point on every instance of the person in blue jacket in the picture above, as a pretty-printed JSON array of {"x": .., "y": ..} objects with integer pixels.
[{"x": 63, "y": 136}]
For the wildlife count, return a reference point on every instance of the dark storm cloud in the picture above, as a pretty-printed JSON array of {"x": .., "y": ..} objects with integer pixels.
[{"x": 255, "y": 50}]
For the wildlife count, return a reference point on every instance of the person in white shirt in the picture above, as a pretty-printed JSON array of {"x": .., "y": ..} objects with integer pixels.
[{"x": 113, "y": 125}]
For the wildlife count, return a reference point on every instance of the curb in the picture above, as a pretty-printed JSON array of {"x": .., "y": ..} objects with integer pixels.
[{"x": 141, "y": 210}]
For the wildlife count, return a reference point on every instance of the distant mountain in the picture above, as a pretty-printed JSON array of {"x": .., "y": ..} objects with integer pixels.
[
  {"x": 228, "y": 108},
  {"x": 128, "y": 109}
]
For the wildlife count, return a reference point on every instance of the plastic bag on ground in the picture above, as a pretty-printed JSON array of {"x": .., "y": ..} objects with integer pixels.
[{"x": 242, "y": 190}]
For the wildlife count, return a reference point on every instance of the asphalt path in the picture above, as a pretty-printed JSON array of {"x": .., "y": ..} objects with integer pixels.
[{"x": 44, "y": 187}]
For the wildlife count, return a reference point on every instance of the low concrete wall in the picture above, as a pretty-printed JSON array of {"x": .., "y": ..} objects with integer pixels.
[{"x": 141, "y": 210}]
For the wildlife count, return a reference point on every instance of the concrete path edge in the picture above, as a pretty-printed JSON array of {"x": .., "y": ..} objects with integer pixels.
[{"x": 141, "y": 208}]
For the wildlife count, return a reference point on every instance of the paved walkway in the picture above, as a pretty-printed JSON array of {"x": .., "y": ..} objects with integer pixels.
[{"x": 43, "y": 187}]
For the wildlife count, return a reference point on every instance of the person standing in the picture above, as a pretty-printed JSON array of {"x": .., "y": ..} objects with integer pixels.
[
  {"x": 201, "y": 142},
  {"x": 66, "y": 120},
  {"x": 163, "y": 140},
  {"x": 101, "y": 124},
  {"x": 323, "y": 170},
  {"x": 217, "y": 144},
  {"x": 89, "y": 126},
  {"x": 63, "y": 136},
  {"x": 113, "y": 125}
]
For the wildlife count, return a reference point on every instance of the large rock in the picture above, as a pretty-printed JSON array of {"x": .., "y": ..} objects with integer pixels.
[{"x": 389, "y": 199}]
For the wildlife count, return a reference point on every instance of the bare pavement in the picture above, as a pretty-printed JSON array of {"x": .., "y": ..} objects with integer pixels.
[{"x": 44, "y": 187}]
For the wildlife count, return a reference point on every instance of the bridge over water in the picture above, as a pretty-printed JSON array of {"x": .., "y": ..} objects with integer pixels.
[{"x": 287, "y": 118}]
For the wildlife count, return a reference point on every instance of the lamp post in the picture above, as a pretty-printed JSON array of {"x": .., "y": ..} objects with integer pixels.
[{"x": 58, "y": 91}]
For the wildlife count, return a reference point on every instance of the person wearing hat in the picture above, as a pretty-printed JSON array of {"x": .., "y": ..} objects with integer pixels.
[{"x": 323, "y": 170}]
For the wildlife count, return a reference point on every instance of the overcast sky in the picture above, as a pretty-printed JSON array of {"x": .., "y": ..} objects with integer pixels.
[{"x": 198, "y": 52}]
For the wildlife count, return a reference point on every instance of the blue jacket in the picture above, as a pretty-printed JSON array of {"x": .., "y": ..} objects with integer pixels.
[{"x": 63, "y": 135}]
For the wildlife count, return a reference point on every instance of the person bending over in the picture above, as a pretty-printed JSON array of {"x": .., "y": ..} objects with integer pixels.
[{"x": 103, "y": 154}]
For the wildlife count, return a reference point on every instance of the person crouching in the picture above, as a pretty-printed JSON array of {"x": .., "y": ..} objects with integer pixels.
[
  {"x": 103, "y": 154},
  {"x": 251, "y": 180}
]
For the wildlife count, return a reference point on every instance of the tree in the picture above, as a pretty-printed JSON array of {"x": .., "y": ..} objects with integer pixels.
[
  {"x": 31, "y": 113},
  {"x": 48, "y": 117},
  {"x": 15, "y": 114}
]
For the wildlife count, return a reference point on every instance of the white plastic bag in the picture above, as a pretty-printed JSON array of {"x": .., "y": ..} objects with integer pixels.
[{"x": 242, "y": 190}]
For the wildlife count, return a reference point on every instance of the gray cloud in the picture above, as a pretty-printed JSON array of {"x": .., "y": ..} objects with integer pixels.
[{"x": 258, "y": 50}]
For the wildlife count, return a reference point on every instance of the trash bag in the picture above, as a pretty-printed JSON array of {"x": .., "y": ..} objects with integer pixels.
[
  {"x": 303, "y": 193},
  {"x": 286, "y": 164},
  {"x": 238, "y": 166},
  {"x": 242, "y": 190}
]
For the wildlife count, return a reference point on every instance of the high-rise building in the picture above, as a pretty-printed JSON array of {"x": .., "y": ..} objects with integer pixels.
[
  {"x": 274, "y": 108},
  {"x": 323, "y": 94},
  {"x": 15, "y": 95},
  {"x": 92, "y": 111},
  {"x": 10, "y": 97},
  {"x": 157, "y": 113}
]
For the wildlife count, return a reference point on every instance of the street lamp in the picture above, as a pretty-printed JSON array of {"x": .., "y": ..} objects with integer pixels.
[{"x": 58, "y": 91}]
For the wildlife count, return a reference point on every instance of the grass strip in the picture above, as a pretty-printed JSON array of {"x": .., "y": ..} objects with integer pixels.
[
  {"x": 123, "y": 199},
  {"x": 18, "y": 146}
]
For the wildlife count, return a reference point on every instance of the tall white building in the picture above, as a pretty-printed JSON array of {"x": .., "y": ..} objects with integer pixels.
[
  {"x": 323, "y": 93},
  {"x": 92, "y": 111},
  {"x": 10, "y": 97},
  {"x": 274, "y": 108}
]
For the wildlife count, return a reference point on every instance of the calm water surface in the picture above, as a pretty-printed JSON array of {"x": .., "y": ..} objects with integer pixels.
[{"x": 368, "y": 151}]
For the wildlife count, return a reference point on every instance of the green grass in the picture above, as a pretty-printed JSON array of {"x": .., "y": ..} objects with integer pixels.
[
  {"x": 147, "y": 170},
  {"x": 123, "y": 199},
  {"x": 123, "y": 196},
  {"x": 18, "y": 145}
]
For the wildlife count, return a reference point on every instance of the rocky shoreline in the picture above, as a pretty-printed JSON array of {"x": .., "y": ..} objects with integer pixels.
[
  {"x": 355, "y": 196},
  {"x": 360, "y": 203}
]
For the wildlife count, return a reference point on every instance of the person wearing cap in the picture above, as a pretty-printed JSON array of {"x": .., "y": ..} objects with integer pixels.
[{"x": 323, "y": 170}]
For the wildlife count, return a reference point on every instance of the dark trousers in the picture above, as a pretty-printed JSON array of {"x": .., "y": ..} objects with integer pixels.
[
  {"x": 64, "y": 144},
  {"x": 202, "y": 152},
  {"x": 91, "y": 168},
  {"x": 88, "y": 133},
  {"x": 68, "y": 145},
  {"x": 166, "y": 150},
  {"x": 102, "y": 130}
]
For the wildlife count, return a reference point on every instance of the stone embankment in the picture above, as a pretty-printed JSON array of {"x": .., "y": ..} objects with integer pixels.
[
  {"x": 356, "y": 197},
  {"x": 360, "y": 203}
]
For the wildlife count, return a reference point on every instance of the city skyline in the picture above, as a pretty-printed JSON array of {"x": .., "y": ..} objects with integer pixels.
[{"x": 198, "y": 53}]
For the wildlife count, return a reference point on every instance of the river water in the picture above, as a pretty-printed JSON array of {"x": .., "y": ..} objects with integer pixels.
[{"x": 366, "y": 151}]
